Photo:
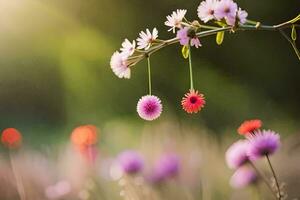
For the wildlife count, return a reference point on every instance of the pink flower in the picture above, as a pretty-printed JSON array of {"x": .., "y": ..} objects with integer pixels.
[
  {"x": 149, "y": 107},
  {"x": 146, "y": 38},
  {"x": 226, "y": 9},
  {"x": 118, "y": 64},
  {"x": 206, "y": 10},
  {"x": 174, "y": 20},
  {"x": 186, "y": 36},
  {"x": 236, "y": 155},
  {"x": 195, "y": 42},
  {"x": 243, "y": 177},
  {"x": 128, "y": 47},
  {"x": 242, "y": 16},
  {"x": 131, "y": 162}
]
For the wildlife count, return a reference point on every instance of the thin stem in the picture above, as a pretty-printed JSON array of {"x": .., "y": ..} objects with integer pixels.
[
  {"x": 291, "y": 42},
  {"x": 191, "y": 69},
  {"x": 275, "y": 177},
  {"x": 149, "y": 75}
]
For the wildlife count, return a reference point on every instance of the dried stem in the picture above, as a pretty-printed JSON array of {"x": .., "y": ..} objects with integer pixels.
[{"x": 275, "y": 177}]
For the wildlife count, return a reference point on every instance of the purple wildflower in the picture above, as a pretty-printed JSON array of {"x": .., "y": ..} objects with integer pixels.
[
  {"x": 131, "y": 162},
  {"x": 236, "y": 155},
  {"x": 149, "y": 107},
  {"x": 243, "y": 177},
  {"x": 226, "y": 9},
  {"x": 186, "y": 38}
]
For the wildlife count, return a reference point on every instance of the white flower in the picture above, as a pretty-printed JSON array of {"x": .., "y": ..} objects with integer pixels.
[
  {"x": 118, "y": 64},
  {"x": 206, "y": 10},
  {"x": 128, "y": 47},
  {"x": 146, "y": 38},
  {"x": 242, "y": 16},
  {"x": 174, "y": 20}
]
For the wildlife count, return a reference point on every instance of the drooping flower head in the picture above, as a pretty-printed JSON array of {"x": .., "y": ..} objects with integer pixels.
[
  {"x": 146, "y": 39},
  {"x": 84, "y": 135},
  {"x": 262, "y": 143},
  {"x": 188, "y": 36},
  {"x": 119, "y": 66},
  {"x": 206, "y": 10},
  {"x": 149, "y": 107},
  {"x": 249, "y": 126},
  {"x": 174, "y": 20},
  {"x": 193, "y": 102},
  {"x": 226, "y": 9},
  {"x": 11, "y": 138},
  {"x": 242, "y": 16},
  {"x": 236, "y": 155},
  {"x": 243, "y": 177},
  {"x": 128, "y": 48},
  {"x": 131, "y": 162}
]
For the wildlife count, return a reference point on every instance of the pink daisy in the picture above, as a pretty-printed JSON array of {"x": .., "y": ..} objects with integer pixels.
[
  {"x": 206, "y": 10},
  {"x": 128, "y": 47},
  {"x": 236, "y": 155},
  {"x": 174, "y": 20},
  {"x": 118, "y": 64},
  {"x": 193, "y": 102},
  {"x": 242, "y": 16},
  {"x": 146, "y": 38},
  {"x": 226, "y": 9},
  {"x": 243, "y": 177},
  {"x": 149, "y": 107}
]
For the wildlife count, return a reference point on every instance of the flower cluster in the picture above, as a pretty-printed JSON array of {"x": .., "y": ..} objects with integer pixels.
[{"x": 242, "y": 154}]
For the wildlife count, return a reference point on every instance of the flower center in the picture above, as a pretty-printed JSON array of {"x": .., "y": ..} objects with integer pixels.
[
  {"x": 227, "y": 10},
  {"x": 193, "y": 100},
  {"x": 150, "y": 108},
  {"x": 211, "y": 12}
]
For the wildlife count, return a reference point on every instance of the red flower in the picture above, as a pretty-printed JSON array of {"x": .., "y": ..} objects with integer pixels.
[
  {"x": 249, "y": 126},
  {"x": 11, "y": 138},
  {"x": 84, "y": 135},
  {"x": 193, "y": 102}
]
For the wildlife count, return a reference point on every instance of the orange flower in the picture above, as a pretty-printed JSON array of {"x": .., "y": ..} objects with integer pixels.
[
  {"x": 249, "y": 126},
  {"x": 11, "y": 138},
  {"x": 84, "y": 135}
]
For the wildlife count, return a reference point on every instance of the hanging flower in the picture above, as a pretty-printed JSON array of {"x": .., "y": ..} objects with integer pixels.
[
  {"x": 128, "y": 48},
  {"x": 11, "y": 138},
  {"x": 149, "y": 107},
  {"x": 243, "y": 177},
  {"x": 188, "y": 36},
  {"x": 146, "y": 39},
  {"x": 118, "y": 64},
  {"x": 236, "y": 155},
  {"x": 226, "y": 9},
  {"x": 242, "y": 16},
  {"x": 174, "y": 20},
  {"x": 249, "y": 126},
  {"x": 130, "y": 162},
  {"x": 193, "y": 102},
  {"x": 206, "y": 10}
]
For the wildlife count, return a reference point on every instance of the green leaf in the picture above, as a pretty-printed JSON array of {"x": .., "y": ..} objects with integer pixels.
[
  {"x": 220, "y": 37},
  {"x": 294, "y": 33},
  {"x": 185, "y": 51}
]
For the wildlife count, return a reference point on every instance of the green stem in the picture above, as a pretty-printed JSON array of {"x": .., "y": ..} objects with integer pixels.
[
  {"x": 275, "y": 177},
  {"x": 191, "y": 69},
  {"x": 149, "y": 74}
]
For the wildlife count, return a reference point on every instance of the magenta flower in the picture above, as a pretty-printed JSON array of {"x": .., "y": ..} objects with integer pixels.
[
  {"x": 236, "y": 155},
  {"x": 187, "y": 36},
  {"x": 243, "y": 177},
  {"x": 262, "y": 143},
  {"x": 206, "y": 10},
  {"x": 242, "y": 16},
  {"x": 118, "y": 64},
  {"x": 226, "y": 9},
  {"x": 131, "y": 162},
  {"x": 149, "y": 107}
]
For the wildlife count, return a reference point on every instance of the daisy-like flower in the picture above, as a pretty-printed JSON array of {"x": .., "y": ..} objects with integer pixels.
[
  {"x": 193, "y": 101},
  {"x": 174, "y": 20},
  {"x": 243, "y": 177},
  {"x": 11, "y": 138},
  {"x": 118, "y": 64},
  {"x": 128, "y": 47},
  {"x": 226, "y": 9},
  {"x": 262, "y": 143},
  {"x": 249, "y": 126},
  {"x": 236, "y": 155},
  {"x": 130, "y": 162},
  {"x": 242, "y": 16},
  {"x": 149, "y": 107},
  {"x": 206, "y": 10},
  {"x": 187, "y": 36},
  {"x": 146, "y": 38}
]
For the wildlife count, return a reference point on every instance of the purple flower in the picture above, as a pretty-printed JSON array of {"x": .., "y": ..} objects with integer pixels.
[
  {"x": 262, "y": 143},
  {"x": 242, "y": 16},
  {"x": 236, "y": 155},
  {"x": 243, "y": 176},
  {"x": 226, "y": 9},
  {"x": 185, "y": 38},
  {"x": 149, "y": 107},
  {"x": 206, "y": 10},
  {"x": 130, "y": 162},
  {"x": 166, "y": 167}
]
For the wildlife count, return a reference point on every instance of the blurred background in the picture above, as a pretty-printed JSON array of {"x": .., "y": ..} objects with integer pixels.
[{"x": 55, "y": 73}]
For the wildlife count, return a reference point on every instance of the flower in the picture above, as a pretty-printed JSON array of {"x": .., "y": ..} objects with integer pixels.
[
  {"x": 242, "y": 16},
  {"x": 84, "y": 136},
  {"x": 236, "y": 155},
  {"x": 11, "y": 138},
  {"x": 263, "y": 143},
  {"x": 174, "y": 20},
  {"x": 226, "y": 9},
  {"x": 243, "y": 176},
  {"x": 193, "y": 102},
  {"x": 206, "y": 10},
  {"x": 167, "y": 166},
  {"x": 58, "y": 190},
  {"x": 149, "y": 107},
  {"x": 249, "y": 126},
  {"x": 186, "y": 36},
  {"x": 128, "y": 48},
  {"x": 130, "y": 162},
  {"x": 146, "y": 38},
  {"x": 118, "y": 64}
]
